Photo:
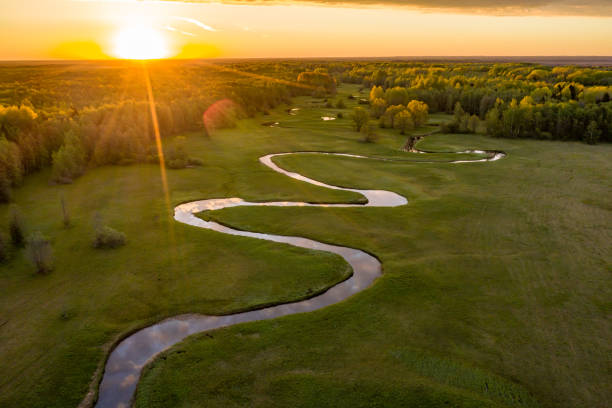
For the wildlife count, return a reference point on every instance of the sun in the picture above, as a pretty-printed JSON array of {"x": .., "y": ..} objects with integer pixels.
[{"x": 140, "y": 42}]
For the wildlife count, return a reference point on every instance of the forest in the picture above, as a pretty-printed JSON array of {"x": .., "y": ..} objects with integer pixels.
[
  {"x": 501, "y": 100},
  {"x": 73, "y": 116}
]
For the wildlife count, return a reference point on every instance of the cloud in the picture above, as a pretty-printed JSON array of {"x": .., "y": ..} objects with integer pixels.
[
  {"x": 601, "y": 8},
  {"x": 196, "y": 22},
  {"x": 176, "y": 30}
]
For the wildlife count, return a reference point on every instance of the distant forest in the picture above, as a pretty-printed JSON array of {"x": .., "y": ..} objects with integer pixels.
[
  {"x": 502, "y": 100},
  {"x": 77, "y": 115}
]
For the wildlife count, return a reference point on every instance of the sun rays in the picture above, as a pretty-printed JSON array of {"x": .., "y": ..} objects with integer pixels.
[{"x": 140, "y": 42}]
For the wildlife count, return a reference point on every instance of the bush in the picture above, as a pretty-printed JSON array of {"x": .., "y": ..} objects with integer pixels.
[
  {"x": 360, "y": 118},
  {"x": 107, "y": 237},
  {"x": 339, "y": 115},
  {"x": 176, "y": 156},
  {"x": 340, "y": 104},
  {"x": 192, "y": 161},
  {"x": 40, "y": 253},
  {"x": 369, "y": 136},
  {"x": 16, "y": 227}
]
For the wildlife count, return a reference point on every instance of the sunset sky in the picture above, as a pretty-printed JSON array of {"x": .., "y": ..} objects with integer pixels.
[{"x": 85, "y": 29}]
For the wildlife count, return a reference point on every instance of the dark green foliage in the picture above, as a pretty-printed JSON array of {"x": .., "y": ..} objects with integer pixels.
[
  {"x": 5, "y": 188},
  {"x": 549, "y": 103},
  {"x": 177, "y": 158},
  {"x": 340, "y": 104},
  {"x": 368, "y": 133},
  {"x": 40, "y": 253},
  {"x": 472, "y": 301},
  {"x": 108, "y": 238},
  {"x": 16, "y": 227},
  {"x": 103, "y": 117},
  {"x": 11, "y": 165},
  {"x": 462, "y": 122},
  {"x": 318, "y": 81},
  {"x": 360, "y": 118},
  {"x": 592, "y": 133},
  {"x": 4, "y": 247},
  {"x": 69, "y": 160}
]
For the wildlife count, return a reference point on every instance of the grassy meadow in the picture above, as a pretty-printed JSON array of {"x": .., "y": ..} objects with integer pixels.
[{"x": 495, "y": 288}]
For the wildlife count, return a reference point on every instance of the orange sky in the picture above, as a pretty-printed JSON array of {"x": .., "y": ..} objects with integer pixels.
[{"x": 43, "y": 29}]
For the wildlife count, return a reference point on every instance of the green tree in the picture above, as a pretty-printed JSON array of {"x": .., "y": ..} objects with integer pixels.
[
  {"x": 592, "y": 133},
  {"x": 377, "y": 92},
  {"x": 396, "y": 96},
  {"x": 541, "y": 95},
  {"x": 360, "y": 117},
  {"x": 11, "y": 166},
  {"x": 419, "y": 111},
  {"x": 368, "y": 133},
  {"x": 69, "y": 160},
  {"x": 388, "y": 118},
  {"x": 379, "y": 105},
  {"x": 404, "y": 121}
]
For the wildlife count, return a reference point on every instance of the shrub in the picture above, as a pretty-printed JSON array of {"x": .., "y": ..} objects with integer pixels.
[
  {"x": 329, "y": 104},
  {"x": 369, "y": 136},
  {"x": 339, "y": 115},
  {"x": 16, "y": 227},
  {"x": 107, "y": 237},
  {"x": 340, "y": 104},
  {"x": 193, "y": 161},
  {"x": 40, "y": 253},
  {"x": 360, "y": 118},
  {"x": 176, "y": 156}
]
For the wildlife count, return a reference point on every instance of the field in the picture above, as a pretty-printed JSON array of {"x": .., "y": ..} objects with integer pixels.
[{"x": 495, "y": 291}]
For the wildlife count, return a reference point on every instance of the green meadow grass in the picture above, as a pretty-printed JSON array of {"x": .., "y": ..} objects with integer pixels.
[{"x": 495, "y": 290}]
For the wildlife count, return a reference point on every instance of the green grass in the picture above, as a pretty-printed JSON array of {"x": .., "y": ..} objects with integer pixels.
[{"x": 495, "y": 290}]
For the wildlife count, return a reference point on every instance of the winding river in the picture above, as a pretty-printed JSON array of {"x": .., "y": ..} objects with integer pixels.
[{"x": 125, "y": 363}]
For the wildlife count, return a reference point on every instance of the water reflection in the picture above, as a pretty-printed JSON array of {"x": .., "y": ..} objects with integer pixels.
[{"x": 126, "y": 361}]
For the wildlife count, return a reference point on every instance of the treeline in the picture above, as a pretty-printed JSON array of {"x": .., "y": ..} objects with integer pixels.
[
  {"x": 504, "y": 100},
  {"x": 590, "y": 123},
  {"x": 62, "y": 131}
]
